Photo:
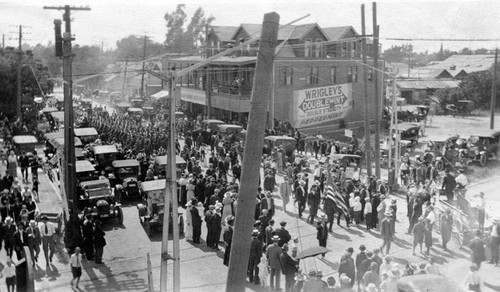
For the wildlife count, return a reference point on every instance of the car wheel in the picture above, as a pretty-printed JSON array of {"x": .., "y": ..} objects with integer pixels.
[
  {"x": 439, "y": 165},
  {"x": 482, "y": 160}
]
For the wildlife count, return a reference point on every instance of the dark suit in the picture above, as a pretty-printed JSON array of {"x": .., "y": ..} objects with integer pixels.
[
  {"x": 20, "y": 241},
  {"x": 9, "y": 238},
  {"x": 264, "y": 204},
  {"x": 289, "y": 268},
  {"x": 300, "y": 198},
  {"x": 386, "y": 233},
  {"x": 284, "y": 236},
  {"x": 6, "y": 211},
  {"x": 228, "y": 239},
  {"x": 254, "y": 260},
  {"x": 196, "y": 222}
]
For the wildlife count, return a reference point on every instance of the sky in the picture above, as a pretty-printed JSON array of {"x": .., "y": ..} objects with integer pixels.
[{"x": 112, "y": 20}]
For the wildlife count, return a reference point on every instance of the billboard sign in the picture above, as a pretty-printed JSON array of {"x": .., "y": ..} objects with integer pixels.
[{"x": 319, "y": 105}]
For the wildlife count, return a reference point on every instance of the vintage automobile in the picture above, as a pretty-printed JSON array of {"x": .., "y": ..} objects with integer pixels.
[
  {"x": 481, "y": 148},
  {"x": 86, "y": 135},
  {"x": 123, "y": 107},
  {"x": 288, "y": 143},
  {"x": 85, "y": 171},
  {"x": 127, "y": 173},
  {"x": 58, "y": 117},
  {"x": 161, "y": 161},
  {"x": 347, "y": 160},
  {"x": 427, "y": 282},
  {"x": 53, "y": 144},
  {"x": 230, "y": 133},
  {"x": 135, "y": 112},
  {"x": 104, "y": 155},
  {"x": 86, "y": 104},
  {"x": 465, "y": 107},
  {"x": 137, "y": 102},
  {"x": 437, "y": 151},
  {"x": 24, "y": 143},
  {"x": 98, "y": 197},
  {"x": 151, "y": 211},
  {"x": 410, "y": 132},
  {"x": 404, "y": 147},
  {"x": 211, "y": 124}
]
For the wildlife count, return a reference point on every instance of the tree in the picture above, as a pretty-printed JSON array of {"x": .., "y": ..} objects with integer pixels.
[
  {"x": 132, "y": 47},
  {"x": 184, "y": 40}
]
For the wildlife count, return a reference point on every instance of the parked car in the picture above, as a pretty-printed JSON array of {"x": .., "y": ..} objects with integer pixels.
[
  {"x": 98, "y": 197},
  {"x": 151, "y": 210},
  {"x": 127, "y": 173}
]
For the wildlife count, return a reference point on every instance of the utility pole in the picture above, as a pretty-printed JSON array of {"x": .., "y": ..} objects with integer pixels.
[
  {"x": 240, "y": 250},
  {"x": 124, "y": 79},
  {"x": 365, "y": 97},
  {"x": 143, "y": 67},
  {"x": 3, "y": 41},
  {"x": 376, "y": 75},
  {"x": 494, "y": 92},
  {"x": 208, "y": 77},
  {"x": 72, "y": 231},
  {"x": 19, "y": 67}
]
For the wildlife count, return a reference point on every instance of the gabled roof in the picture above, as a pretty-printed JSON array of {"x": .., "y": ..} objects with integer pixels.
[
  {"x": 291, "y": 32},
  {"x": 224, "y": 33},
  {"x": 338, "y": 33},
  {"x": 284, "y": 50},
  {"x": 468, "y": 63},
  {"x": 427, "y": 73},
  {"x": 427, "y": 84}
]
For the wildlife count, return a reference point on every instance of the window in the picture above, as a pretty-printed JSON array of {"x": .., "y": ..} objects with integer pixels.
[
  {"x": 355, "y": 74},
  {"x": 370, "y": 74},
  {"x": 307, "y": 48},
  {"x": 349, "y": 74},
  {"x": 286, "y": 77},
  {"x": 318, "y": 48},
  {"x": 333, "y": 75},
  {"x": 313, "y": 76},
  {"x": 343, "y": 50}
]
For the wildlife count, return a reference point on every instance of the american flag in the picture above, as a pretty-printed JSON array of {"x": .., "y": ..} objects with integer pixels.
[{"x": 333, "y": 194}]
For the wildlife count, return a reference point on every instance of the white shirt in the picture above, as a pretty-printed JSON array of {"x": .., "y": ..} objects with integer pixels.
[
  {"x": 76, "y": 261},
  {"x": 50, "y": 228},
  {"x": 462, "y": 179},
  {"x": 9, "y": 271},
  {"x": 357, "y": 206},
  {"x": 368, "y": 208},
  {"x": 431, "y": 216}
]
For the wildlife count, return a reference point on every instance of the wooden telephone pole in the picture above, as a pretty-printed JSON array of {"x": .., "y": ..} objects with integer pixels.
[
  {"x": 72, "y": 231},
  {"x": 494, "y": 92},
  {"x": 19, "y": 66},
  {"x": 377, "y": 87},
  {"x": 368, "y": 146},
  {"x": 240, "y": 251}
]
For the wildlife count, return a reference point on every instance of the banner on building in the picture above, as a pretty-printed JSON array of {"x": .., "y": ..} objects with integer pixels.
[{"x": 319, "y": 105}]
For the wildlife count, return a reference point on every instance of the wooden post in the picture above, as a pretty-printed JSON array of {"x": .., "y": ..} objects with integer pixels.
[
  {"x": 368, "y": 148},
  {"x": 151, "y": 287},
  {"x": 240, "y": 250},
  {"x": 376, "y": 79},
  {"x": 494, "y": 92}
]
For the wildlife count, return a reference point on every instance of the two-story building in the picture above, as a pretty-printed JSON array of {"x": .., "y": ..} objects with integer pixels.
[{"x": 317, "y": 80}]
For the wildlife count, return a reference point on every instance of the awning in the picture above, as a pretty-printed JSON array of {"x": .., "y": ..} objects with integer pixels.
[{"x": 160, "y": 94}]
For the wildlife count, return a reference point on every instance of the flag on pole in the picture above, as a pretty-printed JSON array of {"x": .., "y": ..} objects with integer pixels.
[{"x": 333, "y": 194}]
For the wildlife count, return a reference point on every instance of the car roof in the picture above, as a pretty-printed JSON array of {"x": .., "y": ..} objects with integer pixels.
[
  {"x": 103, "y": 149},
  {"x": 212, "y": 121},
  {"x": 85, "y": 131},
  {"x": 407, "y": 126},
  {"x": 84, "y": 166},
  {"x": 94, "y": 184},
  {"x": 224, "y": 127},
  {"x": 340, "y": 156},
  {"x": 53, "y": 135},
  {"x": 56, "y": 142},
  {"x": 24, "y": 139},
  {"x": 426, "y": 282},
  {"x": 125, "y": 163},
  {"x": 162, "y": 160},
  {"x": 153, "y": 185},
  {"x": 275, "y": 138},
  {"x": 134, "y": 109}
]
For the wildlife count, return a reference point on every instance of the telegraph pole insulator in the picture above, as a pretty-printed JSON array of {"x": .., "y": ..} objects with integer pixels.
[{"x": 59, "y": 43}]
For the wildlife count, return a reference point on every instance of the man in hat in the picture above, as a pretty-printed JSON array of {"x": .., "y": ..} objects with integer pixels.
[
  {"x": 228, "y": 238},
  {"x": 20, "y": 241},
  {"x": 322, "y": 232},
  {"x": 9, "y": 229},
  {"x": 371, "y": 276},
  {"x": 386, "y": 232},
  {"x": 34, "y": 240},
  {"x": 360, "y": 258},
  {"x": 88, "y": 237},
  {"x": 254, "y": 260},
  {"x": 345, "y": 283},
  {"x": 347, "y": 266},
  {"x": 300, "y": 197},
  {"x": 313, "y": 200},
  {"x": 418, "y": 234},
  {"x": 283, "y": 234},
  {"x": 476, "y": 246},
  {"x": 446, "y": 222},
  {"x": 268, "y": 203},
  {"x": 47, "y": 231},
  {"x": 273, "y": 254},
  {"x": 290, "y": 267},
  {"x": 449, "y": 185},
  {"x": 285, "y": 191},
  {"x": 495, "y": 241}
]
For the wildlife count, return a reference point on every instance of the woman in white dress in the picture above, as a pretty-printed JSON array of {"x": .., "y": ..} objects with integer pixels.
[
  {"x": 188, "y": 228},
  {"x": 12, "y": 164},
  {"x": 227, "y": 208},
  {"x": 190, "y": 189}
]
